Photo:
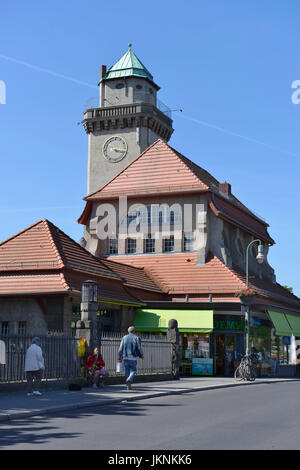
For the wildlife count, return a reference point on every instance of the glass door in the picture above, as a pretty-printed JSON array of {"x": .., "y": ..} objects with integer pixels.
[
  {"x": 219, "y": 355},
  {"x": 224, "y": 355},
  {"x": 229, "y": 356}
]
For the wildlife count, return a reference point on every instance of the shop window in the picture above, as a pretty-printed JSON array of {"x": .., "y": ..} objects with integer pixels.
[{"x": 194, "y": 354}]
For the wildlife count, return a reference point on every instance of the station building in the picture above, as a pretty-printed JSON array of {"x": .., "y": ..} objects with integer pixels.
[{"x": 162, "y": 238}]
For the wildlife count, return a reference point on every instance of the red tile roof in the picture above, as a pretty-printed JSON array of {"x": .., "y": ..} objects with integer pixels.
[
  {"x": 32, "y": 283},
  {"x": 161, "y": 170},
  {"x": 235, "y": 215},
  {"x": 43, "y": 259},
  {"x": 133, "y": 276},
  {"x": 179, "y": 274},
  {"x": 44, "y": 246}
]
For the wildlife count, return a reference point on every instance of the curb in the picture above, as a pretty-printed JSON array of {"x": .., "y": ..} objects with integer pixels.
[{"x": 57, "y": 409}]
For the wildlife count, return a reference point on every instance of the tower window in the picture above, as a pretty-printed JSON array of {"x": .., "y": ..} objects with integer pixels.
[
  {"x": 151, "y": 91},
  {"x": 131, "y": 245},
  {"x": 139, "y": 87},
  {"x": 149, "y": 244},
  {"x": 168, "y": 244},
  {"x": 188, "y": 241},
  {"x": 119, "y": 86},
  {"x": 113, "y": 246}
]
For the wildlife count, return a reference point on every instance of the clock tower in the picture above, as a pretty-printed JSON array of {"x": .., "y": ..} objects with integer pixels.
[{"x": 128, "y": 119}]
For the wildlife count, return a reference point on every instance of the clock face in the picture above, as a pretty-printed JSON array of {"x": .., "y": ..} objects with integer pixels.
[{"x": 115, "y": 149}]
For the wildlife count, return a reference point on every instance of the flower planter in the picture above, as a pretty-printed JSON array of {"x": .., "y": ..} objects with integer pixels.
[{"x": 248, "y": 299}]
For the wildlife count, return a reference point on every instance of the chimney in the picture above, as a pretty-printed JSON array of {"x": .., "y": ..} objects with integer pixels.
[
  {"x": 102, "y": 71},
  {"x": 225, "y": 188}
]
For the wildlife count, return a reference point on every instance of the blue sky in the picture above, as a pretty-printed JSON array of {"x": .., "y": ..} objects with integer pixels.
[{"x": 228, "y": 64}]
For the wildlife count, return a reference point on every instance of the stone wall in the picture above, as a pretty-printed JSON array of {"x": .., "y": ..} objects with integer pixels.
[{"x": 20, "y": 309}]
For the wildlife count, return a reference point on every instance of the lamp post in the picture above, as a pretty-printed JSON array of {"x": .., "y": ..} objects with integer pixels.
[{"x": 260, "y": 259}]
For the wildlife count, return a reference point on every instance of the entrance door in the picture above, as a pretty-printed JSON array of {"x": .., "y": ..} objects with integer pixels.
[
  {"x": 224, "y": 355},
  {"x": 219, "y": 354},
  {"x": 229, "y": 356}
]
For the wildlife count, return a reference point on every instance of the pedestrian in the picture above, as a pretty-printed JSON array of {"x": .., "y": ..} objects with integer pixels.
[
  {"x": 34, "y": 366},
  {"x": 130, "y": 349},
  {"x": 95, "y": 367}
]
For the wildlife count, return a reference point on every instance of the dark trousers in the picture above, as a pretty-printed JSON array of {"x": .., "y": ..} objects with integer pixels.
[{"x": 33, "y": 375}]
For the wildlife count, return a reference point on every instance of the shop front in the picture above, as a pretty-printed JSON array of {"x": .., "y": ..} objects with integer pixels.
[
  {"x": 195, "y": 328},
  {"x": 227, "y": 343},
  {"x": 213, "y": 343},
  {"x": 209, "y": 344}
]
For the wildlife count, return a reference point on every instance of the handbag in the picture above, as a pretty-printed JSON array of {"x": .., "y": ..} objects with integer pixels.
[{"x": 119, "y": 367}]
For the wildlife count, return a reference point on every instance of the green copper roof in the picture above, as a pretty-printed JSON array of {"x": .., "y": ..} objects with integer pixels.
[{"x": 129, "y": 65}]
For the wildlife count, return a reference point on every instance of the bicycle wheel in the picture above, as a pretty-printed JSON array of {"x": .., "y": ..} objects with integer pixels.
[
  {"x": 238, "y": 373},
  {"x": 252, "y": 374}
]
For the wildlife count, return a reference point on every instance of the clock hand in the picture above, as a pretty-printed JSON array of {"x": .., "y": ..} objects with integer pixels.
[{"x": 117, "y": 150}]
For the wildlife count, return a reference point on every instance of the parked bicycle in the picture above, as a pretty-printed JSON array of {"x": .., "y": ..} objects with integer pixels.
[{"x": 247, "y": 370}]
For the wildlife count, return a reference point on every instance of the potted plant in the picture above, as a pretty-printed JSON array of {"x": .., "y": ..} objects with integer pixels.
[{"x": 247, "y": 296}]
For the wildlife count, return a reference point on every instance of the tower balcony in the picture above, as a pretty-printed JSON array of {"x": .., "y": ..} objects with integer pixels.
[{"x": 137, "y": 114}]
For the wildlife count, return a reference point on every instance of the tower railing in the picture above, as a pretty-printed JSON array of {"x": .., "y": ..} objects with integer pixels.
[{"x": 92, "y": 110}]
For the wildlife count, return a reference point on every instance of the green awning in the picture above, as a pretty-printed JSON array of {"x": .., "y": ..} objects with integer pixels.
[
  {"x": 189, "y": 321},
  {"x": 294, "y": 323},
  {"x": 280, "y": 323}
]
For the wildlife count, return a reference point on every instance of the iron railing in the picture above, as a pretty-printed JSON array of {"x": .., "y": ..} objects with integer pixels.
[
  {"x": 157, "y": 353},
  {"x": 60, "y": 353}
]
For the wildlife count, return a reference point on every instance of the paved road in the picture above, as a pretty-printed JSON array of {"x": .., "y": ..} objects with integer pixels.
[{"x": 259, "y": 417}]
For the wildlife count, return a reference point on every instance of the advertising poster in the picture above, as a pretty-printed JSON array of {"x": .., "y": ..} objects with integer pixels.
[{"x": 202, "y": 366}]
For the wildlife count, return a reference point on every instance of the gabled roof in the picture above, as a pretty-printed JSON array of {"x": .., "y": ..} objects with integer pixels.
[
  {"x": 161, "y": 170},
  {"x": 158, "y": 170},
  {"x": 43, "y": 259},
  {"x": 43, "y": 246},
  {"x": 128, "y": 65}
]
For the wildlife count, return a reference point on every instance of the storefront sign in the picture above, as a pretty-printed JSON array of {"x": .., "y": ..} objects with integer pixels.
[
  {"x": 229, "y": 325},
  {"x": 202, "y": 366}
]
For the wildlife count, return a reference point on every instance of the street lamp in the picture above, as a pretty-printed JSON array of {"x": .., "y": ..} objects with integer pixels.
[{"x": 260, "y": 259}]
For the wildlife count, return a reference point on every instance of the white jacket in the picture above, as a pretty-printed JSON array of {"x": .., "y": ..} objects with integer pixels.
[{"x": 34, "y": 358}]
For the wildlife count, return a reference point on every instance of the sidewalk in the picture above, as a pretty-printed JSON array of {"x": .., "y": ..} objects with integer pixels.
[{"x": 16, "y": 404}]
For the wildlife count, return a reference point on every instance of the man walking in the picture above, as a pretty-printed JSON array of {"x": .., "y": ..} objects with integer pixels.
[
  {"x": 130, "y": 349},
  {"x": 34, "y": 365}
]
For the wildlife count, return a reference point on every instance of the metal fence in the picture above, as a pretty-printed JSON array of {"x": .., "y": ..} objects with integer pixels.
[
  {"x": 157, "y": 354},
  {"x": 59, "y": 351},
  {"x": 61, "y": 355}
]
